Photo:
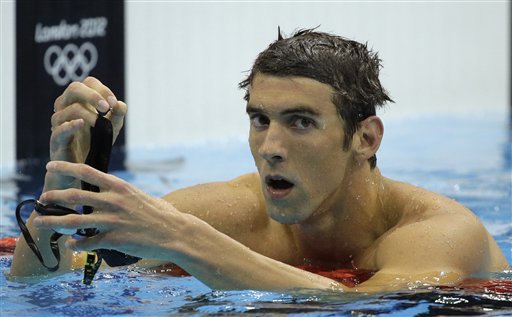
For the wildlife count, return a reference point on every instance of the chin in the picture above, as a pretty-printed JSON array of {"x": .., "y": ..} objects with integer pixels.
[{"x": 286, "y": 216}]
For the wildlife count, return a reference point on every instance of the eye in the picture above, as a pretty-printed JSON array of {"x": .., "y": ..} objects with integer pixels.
[
  {"x": 302, "y": 123},
  {"x": 259, "y": 120}
]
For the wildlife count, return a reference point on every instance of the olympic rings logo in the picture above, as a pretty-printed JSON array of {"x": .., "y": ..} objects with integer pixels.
[{"x": 71, "y": 63}]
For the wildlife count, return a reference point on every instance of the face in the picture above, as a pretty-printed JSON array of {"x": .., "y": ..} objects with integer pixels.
[{"x": 296, "y": 139}]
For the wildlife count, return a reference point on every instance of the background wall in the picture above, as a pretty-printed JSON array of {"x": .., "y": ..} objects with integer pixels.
[
  {"x": 7, "y": 90},
  {"x": 184, "y": 61}
]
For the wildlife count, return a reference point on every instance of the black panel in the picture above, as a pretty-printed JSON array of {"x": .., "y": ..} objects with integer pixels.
[{"x": 58, "y": 42}]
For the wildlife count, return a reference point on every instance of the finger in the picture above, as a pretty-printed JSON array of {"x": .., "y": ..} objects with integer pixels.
[
  {"x": 118, "y": 109},
  {"x": 78, "y": 92},
  {"x": 58, "y": 103},
  {"x": 81, "y": 171},
  {"x": 117, "y": 115},
  {"x": 72, "y": 112},
  {"x": 62, "y": 137},
  {"x": 75, "y": 196},
  {"x": 102, "y": 240},
  {"x": 103, "y": 90},
  {"x": 63, "y": 133},
  {"x": 69, "y": 223},
  {"x": 91, "y": 243}
]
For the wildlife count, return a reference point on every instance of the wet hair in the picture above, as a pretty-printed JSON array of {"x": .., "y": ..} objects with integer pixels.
[{"x": 349, "y": 67}]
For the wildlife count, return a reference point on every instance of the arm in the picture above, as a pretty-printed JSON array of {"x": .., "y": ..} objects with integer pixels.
[
  {"x": 442, "y": 250},
  {"x": 141, "y": 225},
  {"x": 75, "y": 112}
]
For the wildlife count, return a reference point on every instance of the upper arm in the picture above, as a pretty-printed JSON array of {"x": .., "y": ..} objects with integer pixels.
[
  {"x": 442, "y": 250},
  {"x": 455, "y": 243}
]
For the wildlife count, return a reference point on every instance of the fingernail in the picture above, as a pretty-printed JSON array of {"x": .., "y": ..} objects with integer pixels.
[
  {"x": 112, "y": 101},
  {"x": 103, "y": 106}
]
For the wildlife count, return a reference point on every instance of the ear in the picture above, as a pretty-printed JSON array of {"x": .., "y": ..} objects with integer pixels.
[{"x": 369, "y": 135}]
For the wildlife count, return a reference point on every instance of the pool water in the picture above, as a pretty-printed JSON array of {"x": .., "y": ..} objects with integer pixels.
[{"x": 467, "y": 159}]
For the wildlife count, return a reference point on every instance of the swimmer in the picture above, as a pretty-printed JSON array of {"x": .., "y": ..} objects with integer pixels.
[{"x": 317, "y": 198}]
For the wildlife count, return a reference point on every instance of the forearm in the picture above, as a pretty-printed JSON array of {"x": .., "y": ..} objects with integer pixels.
[
  {"x": 26, "y": 264},
  {"x": 223, "y": 263}
]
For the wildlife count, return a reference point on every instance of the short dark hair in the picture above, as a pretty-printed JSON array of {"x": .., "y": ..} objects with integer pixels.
[{"x": 349, "y": 67}]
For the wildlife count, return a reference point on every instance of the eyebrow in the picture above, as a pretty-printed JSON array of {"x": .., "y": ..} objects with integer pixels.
[{"x": 294, "y": 110}]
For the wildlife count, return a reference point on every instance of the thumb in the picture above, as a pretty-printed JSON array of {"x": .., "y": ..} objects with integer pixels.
[{"x": 87, "y": 243}]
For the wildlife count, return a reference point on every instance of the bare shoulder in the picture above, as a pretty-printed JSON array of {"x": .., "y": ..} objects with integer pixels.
[
  {"x": 213, "y": 202},
  {"x": 233, "y": 207},
  {"x": 435, "y": 233}
]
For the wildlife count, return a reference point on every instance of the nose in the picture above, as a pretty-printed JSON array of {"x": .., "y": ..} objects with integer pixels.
[{"x": 272, "y": 148}]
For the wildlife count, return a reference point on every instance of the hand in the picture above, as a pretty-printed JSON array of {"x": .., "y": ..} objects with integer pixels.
[
  {"x": 75, "y": 112},
  {"x": 128, "y": 220}
]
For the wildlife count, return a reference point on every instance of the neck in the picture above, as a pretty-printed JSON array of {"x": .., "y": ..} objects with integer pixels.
[{"x": 349, "y": 221}]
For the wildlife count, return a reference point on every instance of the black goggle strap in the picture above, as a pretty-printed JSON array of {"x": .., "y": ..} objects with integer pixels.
[{"x": 54, "y": 244}]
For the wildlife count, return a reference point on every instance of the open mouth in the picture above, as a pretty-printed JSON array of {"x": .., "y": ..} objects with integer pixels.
[{"x": 278, "y": 187}]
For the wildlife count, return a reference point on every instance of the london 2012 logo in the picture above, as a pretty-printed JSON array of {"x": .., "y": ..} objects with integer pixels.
[
  {"x": 66, "y": 62},
  {"x": 70, "y": 63}
]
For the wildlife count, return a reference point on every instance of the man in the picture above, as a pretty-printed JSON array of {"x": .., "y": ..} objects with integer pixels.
[{"x": 318, "y": 197}]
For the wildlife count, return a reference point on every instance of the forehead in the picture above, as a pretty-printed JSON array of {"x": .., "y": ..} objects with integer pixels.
[{"x": 274, "y": 91}]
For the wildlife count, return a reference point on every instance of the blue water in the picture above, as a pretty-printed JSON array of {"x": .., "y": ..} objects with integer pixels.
[{"x": 467, "y": 159}]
